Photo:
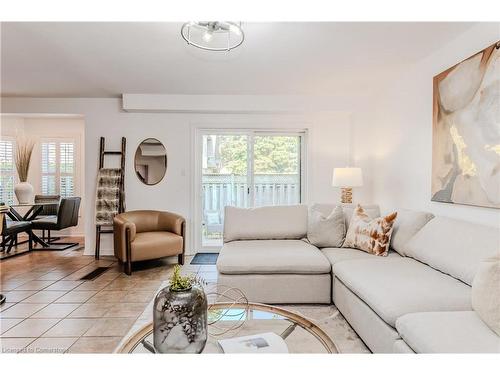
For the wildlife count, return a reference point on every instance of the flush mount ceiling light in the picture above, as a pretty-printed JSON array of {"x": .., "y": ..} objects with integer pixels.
[{"x": 213, "y": 35}]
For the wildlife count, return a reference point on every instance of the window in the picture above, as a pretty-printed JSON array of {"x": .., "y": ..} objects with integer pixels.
[
  {"x": 7, "y": 172},
  {"x": 67, "y": 169},
  {"x": 49, "y": 168},
  {"x": 58, "y": 167}
]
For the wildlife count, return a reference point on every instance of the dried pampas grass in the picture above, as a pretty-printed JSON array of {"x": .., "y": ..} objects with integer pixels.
[{"x": 24, "y": 150}]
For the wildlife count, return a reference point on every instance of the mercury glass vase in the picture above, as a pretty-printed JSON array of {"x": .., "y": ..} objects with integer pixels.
[{"x": 180, "y": 321}]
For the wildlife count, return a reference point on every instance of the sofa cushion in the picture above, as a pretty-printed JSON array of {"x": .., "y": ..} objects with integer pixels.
[
  {"x": 265, "y": 223},
  {"x": 447, "y": 332},
  {"x": 407, "y": 224},
  {"x": 338, "y": 254},
  {"x": 454, "y": 247},
  {"x": 371, "y": 210},
  {"x": 393, "y": 287},
  {"x": 335, "y": 255},
  {"x": 326, "y": 230},
  {"x": 152, "y": 245},
  {"x": 271, "y": 256},
  {"x": 374, "y": 331},
  {"x": 486, "y": 293}
]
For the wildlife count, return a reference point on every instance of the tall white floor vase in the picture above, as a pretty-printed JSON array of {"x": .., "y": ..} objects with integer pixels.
[{"x": 24, "y": 192}]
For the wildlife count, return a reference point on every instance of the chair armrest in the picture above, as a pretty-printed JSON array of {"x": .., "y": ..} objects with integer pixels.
[
  {"x": 120, "y": 225},
  {"x": 171, "y": 222}
]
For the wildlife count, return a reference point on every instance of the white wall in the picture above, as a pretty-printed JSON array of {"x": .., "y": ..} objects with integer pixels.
[
  {"x": 38, "y": 127},
  {"x": 328, "y": 146},
  {"x": 394, "y": 133}
]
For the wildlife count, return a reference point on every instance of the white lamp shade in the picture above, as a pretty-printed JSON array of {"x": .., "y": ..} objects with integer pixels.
[{"x": 347, "y": 177}]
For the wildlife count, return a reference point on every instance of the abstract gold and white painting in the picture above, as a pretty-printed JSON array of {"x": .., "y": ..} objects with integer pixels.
[{"x": 466, "y": 131}]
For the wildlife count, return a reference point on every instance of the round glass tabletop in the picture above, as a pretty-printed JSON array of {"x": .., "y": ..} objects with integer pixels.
[{"x": 300, "y": 334}]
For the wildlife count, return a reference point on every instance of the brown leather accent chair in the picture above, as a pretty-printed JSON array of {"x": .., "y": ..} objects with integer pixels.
[{"x": 146, "y": 234}]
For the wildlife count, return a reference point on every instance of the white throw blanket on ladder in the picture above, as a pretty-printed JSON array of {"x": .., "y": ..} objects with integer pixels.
[{"x": 108, "y": 195}]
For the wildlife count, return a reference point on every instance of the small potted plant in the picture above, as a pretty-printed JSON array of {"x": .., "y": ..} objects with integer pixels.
[{"x": 180, "y": 316}]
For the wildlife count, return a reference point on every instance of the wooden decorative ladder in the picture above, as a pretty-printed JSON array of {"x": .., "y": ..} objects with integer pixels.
[{"x": 121, "y": 206}]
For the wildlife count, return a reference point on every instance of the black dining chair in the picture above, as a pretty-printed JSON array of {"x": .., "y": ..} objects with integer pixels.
[
  {"x": 49, "y": 209},
  {"x": 10, "y": 230},
  {"x": 67, "y": 216}
]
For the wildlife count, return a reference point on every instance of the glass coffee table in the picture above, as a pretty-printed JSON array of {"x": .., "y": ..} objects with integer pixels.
[{"x": 300, "y": 334}]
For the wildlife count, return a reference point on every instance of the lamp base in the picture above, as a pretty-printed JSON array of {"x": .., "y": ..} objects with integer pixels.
[{"x": 346, "y": 196}]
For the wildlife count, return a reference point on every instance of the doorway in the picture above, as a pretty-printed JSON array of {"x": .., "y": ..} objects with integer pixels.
[{"x": 244, "y": 168}]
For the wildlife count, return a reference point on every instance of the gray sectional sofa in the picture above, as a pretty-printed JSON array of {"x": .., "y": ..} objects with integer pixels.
[{"x": 417, "y": 299}]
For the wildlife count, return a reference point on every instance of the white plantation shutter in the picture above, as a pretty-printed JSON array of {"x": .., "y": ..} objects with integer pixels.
[
  {"x": 67, "y": 169},
  {"x": 49, "y": 161},
  {"x": 58, "y": 167},
  {"x": 7, "y": 172}
]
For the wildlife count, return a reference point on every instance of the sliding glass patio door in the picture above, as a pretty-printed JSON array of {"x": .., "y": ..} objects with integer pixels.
[
  {"x": 225, "y": 181},
  {"x": 245, "y": 169}
]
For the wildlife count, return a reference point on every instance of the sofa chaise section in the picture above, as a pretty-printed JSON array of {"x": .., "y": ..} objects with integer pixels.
[
  {"x": 276, "y": 271},
  {"x": 263, "y": 256}
]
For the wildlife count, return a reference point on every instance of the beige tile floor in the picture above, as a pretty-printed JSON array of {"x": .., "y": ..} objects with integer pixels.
[{"x": 49, "y": 310}]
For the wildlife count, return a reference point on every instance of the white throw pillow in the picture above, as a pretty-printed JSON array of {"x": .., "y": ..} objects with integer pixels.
[
  {"x": 326, "y": 231},
  {"x": 486, "y": 293},
  {"x": 409, "y": 222}
]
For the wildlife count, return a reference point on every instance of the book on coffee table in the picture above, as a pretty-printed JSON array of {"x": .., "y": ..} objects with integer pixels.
[{"x": 268, "y": 342}]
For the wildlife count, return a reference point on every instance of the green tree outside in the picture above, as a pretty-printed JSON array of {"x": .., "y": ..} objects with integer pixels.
[{"x": 273, "y": 154}]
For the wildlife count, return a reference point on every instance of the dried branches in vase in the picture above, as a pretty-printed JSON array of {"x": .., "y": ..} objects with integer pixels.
[{"x": 24, "y": 151}]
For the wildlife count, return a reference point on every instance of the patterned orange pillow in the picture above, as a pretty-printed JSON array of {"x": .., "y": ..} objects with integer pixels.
[{"x": 370, "y": 235}]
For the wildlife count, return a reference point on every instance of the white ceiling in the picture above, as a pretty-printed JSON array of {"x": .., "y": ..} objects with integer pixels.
[{"x": 108, "y": 59}]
